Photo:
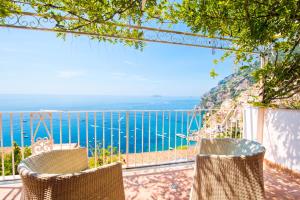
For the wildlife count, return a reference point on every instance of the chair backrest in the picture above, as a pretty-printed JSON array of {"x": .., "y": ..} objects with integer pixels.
[
  {"x": 42, "y": 145},
  {"x": 228, "y": 146},
  {"x": 57, "y": 161},
  {"x": 216, "y": 146},
  {"x": 228, "y": 169}
]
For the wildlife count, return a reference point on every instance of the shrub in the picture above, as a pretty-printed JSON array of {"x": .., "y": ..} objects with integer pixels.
[
  {"x": 230, "y": 133},
  {"x": 8, "y": 164},
  {"x": 104, "y": 156}
]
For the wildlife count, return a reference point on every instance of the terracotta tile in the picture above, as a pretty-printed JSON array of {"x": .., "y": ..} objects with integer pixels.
[{"x": 175, "y": 183}]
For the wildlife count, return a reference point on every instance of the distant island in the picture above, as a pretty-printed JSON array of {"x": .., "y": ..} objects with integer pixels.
[{"x": 157, "y": 96}]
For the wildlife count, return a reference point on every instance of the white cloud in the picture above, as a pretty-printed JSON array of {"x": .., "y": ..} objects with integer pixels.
[
  {"x": 15, "y": 49},
  {"x": 127, "y": 62},
  {"x": 69, "y": 74},
  {"x": 119, "y": 75},
  {"x": 139, "y": 77},
  {"x": 131, "y": 77}
]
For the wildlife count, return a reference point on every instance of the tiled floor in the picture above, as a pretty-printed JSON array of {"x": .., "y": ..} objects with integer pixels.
[{"x": 175, "y": 183}]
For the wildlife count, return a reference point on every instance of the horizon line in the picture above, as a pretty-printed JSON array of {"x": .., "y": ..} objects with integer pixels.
[{"x": 103, "y": 95}]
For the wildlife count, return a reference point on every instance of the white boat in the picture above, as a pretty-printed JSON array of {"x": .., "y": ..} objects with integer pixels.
[
  {"x": 181, "y": 135},
  {"x": 94, "y": 126}
]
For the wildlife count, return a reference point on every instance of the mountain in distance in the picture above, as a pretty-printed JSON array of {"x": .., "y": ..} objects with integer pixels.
[{"x": 229, "y": 89}]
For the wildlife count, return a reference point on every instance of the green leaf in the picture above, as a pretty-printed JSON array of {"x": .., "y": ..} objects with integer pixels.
[
  {"x": 215, "y": 61},
  {"x": 213, "y": 73},
  {"x": 244, "y": 67}
]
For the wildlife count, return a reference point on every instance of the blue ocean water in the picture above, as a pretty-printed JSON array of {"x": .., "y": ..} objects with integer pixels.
[{"x": 102, "y": 120}]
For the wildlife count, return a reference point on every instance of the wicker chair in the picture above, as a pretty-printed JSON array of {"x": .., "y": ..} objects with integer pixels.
[
  {"x": 64, "y": 174},
  {"x": 228, "y": 169}
]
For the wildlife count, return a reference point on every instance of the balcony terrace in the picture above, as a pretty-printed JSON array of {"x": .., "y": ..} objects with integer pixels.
[
  {"x": 155, "y": 147},
  {"x": 174, "y": 182}
]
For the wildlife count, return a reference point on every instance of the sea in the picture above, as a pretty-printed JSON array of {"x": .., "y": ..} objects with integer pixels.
[{"x": 151, "y": 123}]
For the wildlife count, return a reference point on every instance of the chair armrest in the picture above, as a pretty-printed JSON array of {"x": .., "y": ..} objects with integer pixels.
[{"x": 105, "y": 182}]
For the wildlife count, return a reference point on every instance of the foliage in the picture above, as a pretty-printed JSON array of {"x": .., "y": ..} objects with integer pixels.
[
  {"x": 254, "y": 24},
  {"x": 8, "y": 164},
  {"x": 233, "y": 132},
  {"x": 93, "y": 16},
  {"x": 183, "y": 147},
  {"x": 295, "y": 105},
  {"x": 280, "y": 80},
  {"x": 213, "y": 73},
  {"x": 270, "y": 28},
  {"x": 104, "y": 156},
  {"x": 100, "y": 152},
  {"x": 6, "y": 7},
  {"x": 262, "y": 105}
]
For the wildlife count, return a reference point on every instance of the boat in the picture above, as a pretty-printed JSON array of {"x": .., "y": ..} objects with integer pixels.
[
  {"x": 121, "y": 118},
  {"x": 161, "y": 135},
  {"x": 94, "y": 126},
  {"x": 181, "y": 135}
]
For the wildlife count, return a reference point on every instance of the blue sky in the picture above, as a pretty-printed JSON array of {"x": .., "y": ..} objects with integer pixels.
[{"x": 40, "y": 63}]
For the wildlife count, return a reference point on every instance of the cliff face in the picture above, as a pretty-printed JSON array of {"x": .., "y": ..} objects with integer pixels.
[
  {"x": 229, "y": 89},
  {"x": 228, "y": 99}
]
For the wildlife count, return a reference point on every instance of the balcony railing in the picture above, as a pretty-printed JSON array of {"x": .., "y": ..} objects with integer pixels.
[{"x": 133, "y": 137}]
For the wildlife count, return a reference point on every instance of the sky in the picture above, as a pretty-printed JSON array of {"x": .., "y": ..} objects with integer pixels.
[{"x": 34, "y": 62}]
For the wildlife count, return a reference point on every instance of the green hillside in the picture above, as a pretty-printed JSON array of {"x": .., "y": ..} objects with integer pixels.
[{"x": 228, "y": 88}]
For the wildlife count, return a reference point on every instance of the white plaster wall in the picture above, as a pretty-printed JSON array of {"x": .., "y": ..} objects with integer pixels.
[
  {"x": 250, "y": 123},
  {"x": 281, "y": 137}
]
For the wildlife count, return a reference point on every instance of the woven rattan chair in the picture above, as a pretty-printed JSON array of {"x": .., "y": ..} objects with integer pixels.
[
  {"x": 64, "y": 174},
  {"x": 228, "y": 169}
]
